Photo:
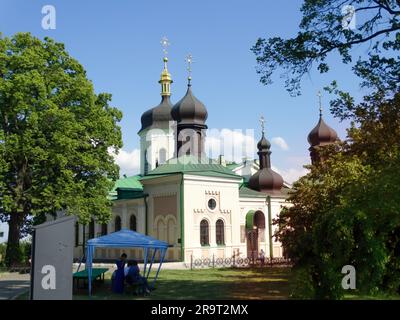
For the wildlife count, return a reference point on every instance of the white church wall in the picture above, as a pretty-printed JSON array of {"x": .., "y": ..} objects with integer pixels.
[
  {"x": 124, "y": 209},
  {"x": 255, "y": 204},
  {"x": 247, "y": 204},
  {"x": 197, "y": 191},
  {"x": 276, "y": 206},
  {"x": 151, "y": 143},
  {"x": 169, "y": 222}
]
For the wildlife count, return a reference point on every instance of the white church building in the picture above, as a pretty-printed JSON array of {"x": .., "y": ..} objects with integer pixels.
[{"x": 201, "y": 207}]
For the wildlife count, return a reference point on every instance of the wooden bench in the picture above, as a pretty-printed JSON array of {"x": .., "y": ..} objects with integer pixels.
[{"x": 97, "y": 274}]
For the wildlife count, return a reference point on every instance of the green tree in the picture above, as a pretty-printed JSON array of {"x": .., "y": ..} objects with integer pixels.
[
  {"x": 347, "y": 209},
  {"x": 322, "y": 33},
  {"x": 55, "y": 137}
]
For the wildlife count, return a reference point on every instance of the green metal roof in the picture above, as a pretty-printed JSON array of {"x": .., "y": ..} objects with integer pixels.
[
  {"x": 245, "y": 192},
  {"x": 191, "y": 164},
  {"x": 130, "y": 184}
]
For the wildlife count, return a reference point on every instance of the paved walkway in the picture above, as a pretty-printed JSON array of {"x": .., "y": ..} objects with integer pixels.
[{"x": 13, "y": 284}]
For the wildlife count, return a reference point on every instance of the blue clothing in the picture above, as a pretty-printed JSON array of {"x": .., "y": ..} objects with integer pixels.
[
  {"x": 118, "y": 283},
  {"x": 134, "y": 273},
  {"x": 134, "y": 276}
]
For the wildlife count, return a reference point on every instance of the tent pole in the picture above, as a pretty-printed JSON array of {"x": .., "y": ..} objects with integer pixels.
[
  {"x": 151, "y": 263},
  {"x": 163, "y": 252},
  {"x": 89, "y": 258},
  {"x": 146, "y": 251}
]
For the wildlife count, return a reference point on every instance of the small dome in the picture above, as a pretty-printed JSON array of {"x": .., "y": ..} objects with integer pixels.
[
  {"x": 189, "y": 110},
  {"x": 158, "y": 114},
  {"x": 263, "y": 144},
  {"x": 266, "y": 180},
  {"x": 322, "y": 134}
]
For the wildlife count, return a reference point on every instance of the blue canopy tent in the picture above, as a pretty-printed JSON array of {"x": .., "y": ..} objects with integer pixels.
[{"x": 127, "y": 239}]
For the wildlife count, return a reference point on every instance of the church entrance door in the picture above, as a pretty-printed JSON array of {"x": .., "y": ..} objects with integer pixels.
[
  {"x": 255, "y": 227},
  {"x": 252, "y": 245}
]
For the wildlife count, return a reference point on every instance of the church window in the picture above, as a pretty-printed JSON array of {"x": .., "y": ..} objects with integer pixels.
[
  {"x": 162, "y": 156},
  {"x": 204, "y": 233},
  {"x": 242, "y": 234},
  {"x": 212, "y": 204},
  {"x": 91, "y": 229},
  {"x": 132, "y": 223},
  {"x": 219, "y": 232},
  {"x": 117, "y": 223},
  {"x": 146, "y": 163},
  {"x": 171, "y": 231},
  {"x": 104, "y": 229},
  {"x": 161, "y": 232}
]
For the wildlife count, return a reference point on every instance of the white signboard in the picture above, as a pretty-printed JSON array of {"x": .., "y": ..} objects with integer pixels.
[{"x": 52, "y": 257}]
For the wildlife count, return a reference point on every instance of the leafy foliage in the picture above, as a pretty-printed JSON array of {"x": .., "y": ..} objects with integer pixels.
[
  {"x": 3, "y": 248},
  {"x": 55, "y": 133},
  {"x": 346, "y": 211},
  {"x": 322, "y": 32}
]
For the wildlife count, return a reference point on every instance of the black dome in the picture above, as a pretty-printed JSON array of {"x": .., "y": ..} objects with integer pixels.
[
  {"x": 322, "y": 134},
  {"x": 160, "y": 114},
  {"x": 266, "y": 180},
  {"x": 263, "y": 144},
  {"x": 189, "y": 110}
]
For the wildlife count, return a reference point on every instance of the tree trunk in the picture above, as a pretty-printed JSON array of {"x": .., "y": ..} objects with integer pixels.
[{"x": 13, "y": 252}]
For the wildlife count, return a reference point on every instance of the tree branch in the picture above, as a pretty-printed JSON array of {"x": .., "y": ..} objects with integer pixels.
[
  {"x": 350, "y": 43},
  {"x": 386, "y": 6}
]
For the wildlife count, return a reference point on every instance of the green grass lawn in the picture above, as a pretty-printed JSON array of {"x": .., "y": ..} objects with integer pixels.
[
  {"x": 257, "y": 283},
  {"x": 266, "y": 283}
]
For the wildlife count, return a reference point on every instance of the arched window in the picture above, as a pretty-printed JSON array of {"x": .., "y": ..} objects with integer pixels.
[
  {"x": 132, "y": 223},
  {"x": 104, "y": 229},
  {"x": 146, "y": 163},
  {"x": 171, "y": 226},
  {"x": 161, "y": 232},
  {"x": 117, "y": 223},
  {"x": 204, "y": 233},
  {"x": 91, "y": 229},
  {"x": 219, "y": 232},
  {"x": 162, "y": 156}
]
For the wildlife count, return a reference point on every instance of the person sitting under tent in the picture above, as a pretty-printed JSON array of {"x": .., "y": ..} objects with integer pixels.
[
  {"x": 133, "y": 276},
  {"x": 118, "y": 281}
]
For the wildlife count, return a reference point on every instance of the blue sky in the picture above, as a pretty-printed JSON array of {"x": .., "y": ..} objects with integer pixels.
[{"x": 118, "y": 43}]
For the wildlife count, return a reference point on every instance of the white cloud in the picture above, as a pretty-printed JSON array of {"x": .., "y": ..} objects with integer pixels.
[
  {"x": 233, "y": 144},
  {"x": 293, "y": 174},
  {"x": 280, "y": 142},
  {"x": 128, "y": 161}
]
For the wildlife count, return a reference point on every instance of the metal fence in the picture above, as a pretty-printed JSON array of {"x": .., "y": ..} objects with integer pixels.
[{"x": 238, "y": 262}]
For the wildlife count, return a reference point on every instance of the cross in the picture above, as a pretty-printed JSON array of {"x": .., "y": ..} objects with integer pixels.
[
  {"x": 165, "y": 44},
  {"x": 262, "y": 121},
  {"x": 189, "y": 61},
  {"x": 319, "y": 94}
]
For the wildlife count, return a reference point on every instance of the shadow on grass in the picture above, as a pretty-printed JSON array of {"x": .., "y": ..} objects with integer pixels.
[{"x": 266, "y": 283}]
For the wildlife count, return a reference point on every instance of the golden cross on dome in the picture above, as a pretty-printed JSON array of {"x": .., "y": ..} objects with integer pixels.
[
  {"x": 319, "y": 94},
  {"x": 189, "y": 61},
  {"x": 262, "y": 121},
  {"x": 165, "y": 44}
]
